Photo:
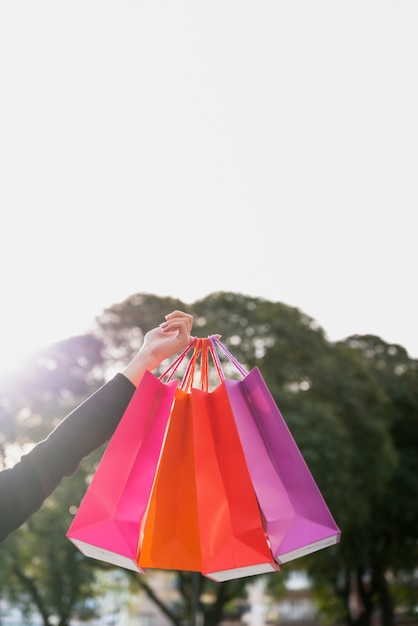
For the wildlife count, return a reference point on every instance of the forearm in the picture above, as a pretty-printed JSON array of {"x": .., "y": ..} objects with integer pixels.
[{"x": 24, "y": 487}]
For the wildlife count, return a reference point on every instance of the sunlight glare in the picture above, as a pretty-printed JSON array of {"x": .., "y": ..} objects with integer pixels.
[{"x": 18, "y": 343}]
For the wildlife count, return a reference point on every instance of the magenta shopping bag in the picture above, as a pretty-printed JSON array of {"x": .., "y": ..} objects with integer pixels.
[
  {"x": 107, "y": 523},
  {"x": 297, "y": 518}
]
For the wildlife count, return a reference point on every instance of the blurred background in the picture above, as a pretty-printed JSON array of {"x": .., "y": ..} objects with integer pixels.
[
  {"x": 255, "y": 164},
  {"x": 352, "y": 408}
]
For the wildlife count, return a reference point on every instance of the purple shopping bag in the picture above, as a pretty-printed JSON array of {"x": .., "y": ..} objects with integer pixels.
[{"x": 297, "y": 518}]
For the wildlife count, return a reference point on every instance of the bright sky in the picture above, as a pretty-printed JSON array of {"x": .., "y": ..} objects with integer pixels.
[{"x": 181, "y": 148}]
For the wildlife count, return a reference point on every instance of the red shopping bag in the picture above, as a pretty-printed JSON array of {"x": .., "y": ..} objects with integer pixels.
[
  {"x": 107, "y": 523},
  {"x": 296, "y": 516},
  {"x": 233, "y": 538},
  {"x": 203, "y": 514}
]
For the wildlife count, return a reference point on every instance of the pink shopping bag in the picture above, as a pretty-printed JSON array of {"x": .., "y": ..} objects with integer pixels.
[
  {"x": 296, "y": 516},
  {"x": 107, "y": 523}
]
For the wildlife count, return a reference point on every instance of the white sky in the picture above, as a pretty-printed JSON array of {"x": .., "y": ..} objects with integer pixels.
[{"x": 185, "y": 147}]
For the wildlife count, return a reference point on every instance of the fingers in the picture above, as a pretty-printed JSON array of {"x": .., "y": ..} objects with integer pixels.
[
  {"x": 179, "y": 322},
  {"x": 180, "y": 315}
]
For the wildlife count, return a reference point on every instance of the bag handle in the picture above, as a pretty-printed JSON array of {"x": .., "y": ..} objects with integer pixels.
[
  {"x": 173, "y": 367},
  {"x": 204, "y": 367},
  {"x": 202, "y": 347},
  {"x": 188, "y": 378},
  {"x": 201, "y": 350},
  {"x": 216, "y": 343}
]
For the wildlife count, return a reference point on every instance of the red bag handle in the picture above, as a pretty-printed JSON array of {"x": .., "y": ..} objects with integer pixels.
[
  {"x": 171, "y": 370},
  {"x": 204, "y": 367},
  {"x": 188, "y": 378},
  {"x": 201, "y": 350}
]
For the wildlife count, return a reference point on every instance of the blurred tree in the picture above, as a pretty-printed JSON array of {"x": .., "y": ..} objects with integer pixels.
[
  {"x": 201, "y": 600},
  {"x": 390, "y": 540},
  {"x": 351, "y": 406},
  {"x": 122, "y": 326},
  {"x": 41, "y": 570},
  {"x": 338, "y": 410}
]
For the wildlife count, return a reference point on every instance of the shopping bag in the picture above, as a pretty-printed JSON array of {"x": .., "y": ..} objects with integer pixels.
[
  {"x": 233, "y": 538},
  {"x": 169, "y": 536},
  {"x": 203, "y": 514},
  {"x": 296, "y": 517},
  {"x": 107, "y": 523}
]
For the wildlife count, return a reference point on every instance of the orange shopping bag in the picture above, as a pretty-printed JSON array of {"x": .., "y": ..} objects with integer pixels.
[
  {"x": 170, "y": 533},
  {"x": 203, "y": 514}
]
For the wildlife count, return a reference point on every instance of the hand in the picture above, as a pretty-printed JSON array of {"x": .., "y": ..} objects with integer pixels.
[
  {"x": 168, "y": 338},
  {"x": 160, "y": 343}
]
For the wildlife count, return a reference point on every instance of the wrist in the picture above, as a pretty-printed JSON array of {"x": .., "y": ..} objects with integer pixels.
[{"x": 144, "y": 360}]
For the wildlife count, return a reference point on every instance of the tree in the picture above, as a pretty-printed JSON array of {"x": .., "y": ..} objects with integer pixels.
[
  {"x": 336, "y": 407},
  {"x": 352, "y": 408},
  {"x": 41, "y": 570},
  {"x": 390, "y": 543}
]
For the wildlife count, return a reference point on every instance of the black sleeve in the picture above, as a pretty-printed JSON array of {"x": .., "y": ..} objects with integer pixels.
[{"x": 25, "y": 486}]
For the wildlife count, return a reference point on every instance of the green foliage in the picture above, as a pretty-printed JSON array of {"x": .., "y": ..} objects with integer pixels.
[
  {"x": 352, "y": 407},
  {"x": 122, "y": 326},
  {"x": 394, "y": 523}
]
